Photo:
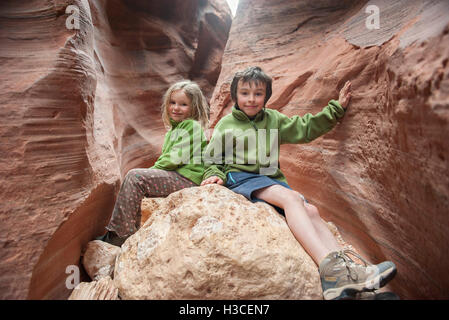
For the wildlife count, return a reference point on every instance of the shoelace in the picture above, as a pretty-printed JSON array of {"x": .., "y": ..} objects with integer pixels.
[{"x": 344, "y": 254}]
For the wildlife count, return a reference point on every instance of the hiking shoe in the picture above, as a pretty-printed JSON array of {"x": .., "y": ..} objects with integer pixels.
[
  {"x": 342, "y": 278},
  {"x": 103, "y": 237},
  {"x": 112, "y": 238}
]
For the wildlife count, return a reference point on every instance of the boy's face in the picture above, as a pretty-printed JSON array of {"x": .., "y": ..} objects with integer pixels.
[{"x": 251, "y": 97}]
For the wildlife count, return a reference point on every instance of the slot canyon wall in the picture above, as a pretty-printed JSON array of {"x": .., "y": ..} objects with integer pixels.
[
  {"x": 80, "y": 107},
  {"x": 382, "y": 175}
]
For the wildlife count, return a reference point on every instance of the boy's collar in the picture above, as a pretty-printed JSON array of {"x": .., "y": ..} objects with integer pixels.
[{"x": 240, "y": 115}]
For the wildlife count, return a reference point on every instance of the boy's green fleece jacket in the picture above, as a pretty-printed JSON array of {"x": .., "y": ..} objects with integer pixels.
[
  {"x": 182, "y": 151},
  {"x": 241, "y": 144}
]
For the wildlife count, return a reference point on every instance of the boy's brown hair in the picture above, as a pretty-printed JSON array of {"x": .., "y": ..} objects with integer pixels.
[{"x": 251, "y": 74}]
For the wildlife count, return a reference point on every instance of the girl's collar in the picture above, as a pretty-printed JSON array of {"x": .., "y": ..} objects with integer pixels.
[{"x": 174, "y": 123}]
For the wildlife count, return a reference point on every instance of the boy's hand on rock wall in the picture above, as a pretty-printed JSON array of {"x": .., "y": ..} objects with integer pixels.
[{"x": 345, "y": 95}]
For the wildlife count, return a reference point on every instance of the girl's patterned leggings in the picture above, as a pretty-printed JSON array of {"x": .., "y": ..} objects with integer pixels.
[{"x": 140, "y": 183}]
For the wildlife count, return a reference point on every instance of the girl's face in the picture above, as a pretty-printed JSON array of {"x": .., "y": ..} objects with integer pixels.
[
  {"x": 180, "y": 106},
  {"x": 251, "y": 97}
]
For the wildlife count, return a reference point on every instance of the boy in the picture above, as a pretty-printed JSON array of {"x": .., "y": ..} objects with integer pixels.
[{"x": 243, "y": 154}]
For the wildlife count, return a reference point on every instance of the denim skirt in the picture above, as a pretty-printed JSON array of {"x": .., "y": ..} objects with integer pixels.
[{"x": 245, "y": 183}]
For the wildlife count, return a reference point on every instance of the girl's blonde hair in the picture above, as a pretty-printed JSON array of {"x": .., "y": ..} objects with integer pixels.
[{"x": 200, "y": 107}]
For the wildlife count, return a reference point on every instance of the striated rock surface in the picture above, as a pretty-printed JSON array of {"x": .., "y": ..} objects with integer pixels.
[
  {"x": 80, "y": 90},
  {"x": 211, "y": 243},
  {"x": 99, "y": 259},
  {"x": 382, "y": 174},
  {"x": 103, "y": 289}
]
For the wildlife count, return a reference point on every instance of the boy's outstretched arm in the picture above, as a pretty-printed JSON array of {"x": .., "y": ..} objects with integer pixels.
[{"x": 309, "y": 127}]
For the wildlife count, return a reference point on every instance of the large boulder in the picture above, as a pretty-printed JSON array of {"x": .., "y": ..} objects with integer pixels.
[{"x": 211, "y": 243}]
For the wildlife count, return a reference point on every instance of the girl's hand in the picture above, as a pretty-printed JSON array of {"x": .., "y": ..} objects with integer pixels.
[
  {"x": 213, "y": 179},
  {"x": 345, "y": 95}
]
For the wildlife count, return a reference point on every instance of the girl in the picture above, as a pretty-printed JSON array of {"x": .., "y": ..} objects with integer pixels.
[
  {"x": 185, "y": 113},
  {"x": 259, "y": 178}
]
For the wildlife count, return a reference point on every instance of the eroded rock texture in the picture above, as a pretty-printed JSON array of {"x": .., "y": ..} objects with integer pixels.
[
  {"x": 211, "y": 243},
  {"x": 102, "y": 289},
  {"x": 382, "y": 175},
  {"x": 99, "y": 259},
  {"x": 80, "y": 107}
]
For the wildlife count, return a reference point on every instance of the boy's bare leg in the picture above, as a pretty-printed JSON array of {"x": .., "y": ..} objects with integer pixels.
[
  {"x": 336, "y": 271},
  {"x": 322, "y": 229},
  {"x": 318, "y": 241}
]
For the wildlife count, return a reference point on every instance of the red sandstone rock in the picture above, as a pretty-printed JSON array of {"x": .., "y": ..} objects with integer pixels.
[
  {"x": 381, "y": 175},
  {"x": 79, "y": 109}
]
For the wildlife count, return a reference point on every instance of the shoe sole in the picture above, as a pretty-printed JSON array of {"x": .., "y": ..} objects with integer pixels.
[
  {"x": 378, "y": 296},
  {"x": 349, "y": 291}
]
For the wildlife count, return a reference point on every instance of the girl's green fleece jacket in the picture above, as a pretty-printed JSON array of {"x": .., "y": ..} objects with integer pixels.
[
  {"x": 252, "y": 145},
  {"x": 182, "y": 151}
]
